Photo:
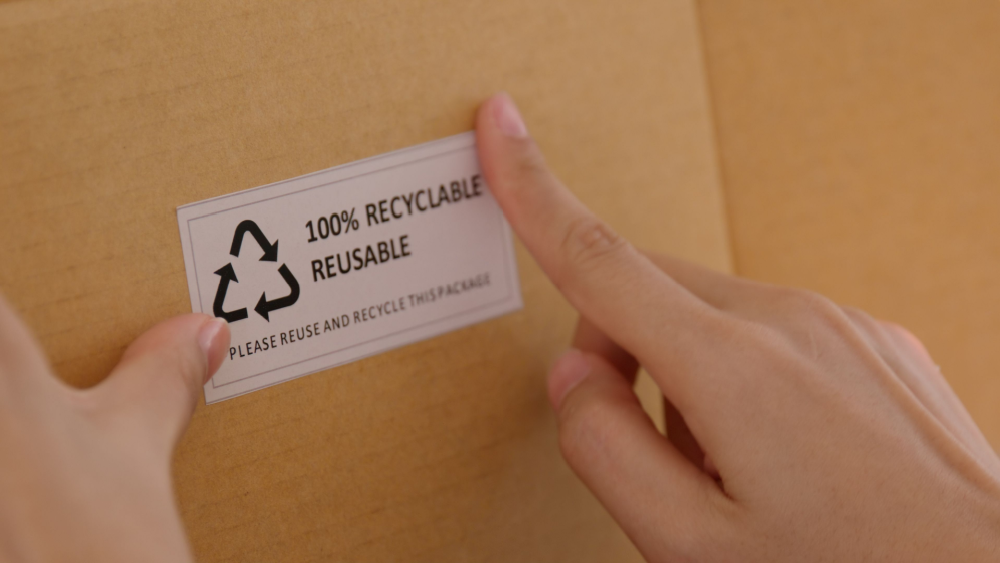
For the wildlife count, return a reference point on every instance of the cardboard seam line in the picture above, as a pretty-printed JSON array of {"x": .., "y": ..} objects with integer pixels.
[{"x": 713, "y": 127}]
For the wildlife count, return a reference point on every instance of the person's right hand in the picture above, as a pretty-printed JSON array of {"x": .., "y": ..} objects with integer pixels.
[{"x": 800, "y": 430}]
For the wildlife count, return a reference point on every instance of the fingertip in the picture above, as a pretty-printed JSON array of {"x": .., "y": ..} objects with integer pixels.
[
  {"x": 213, "y": 338},
  {"x": 500, "y": 113},
  {"x": 567, "y": 372},
  {"x": 507, "y": 117},
  {"x": 513, "y": 167}
]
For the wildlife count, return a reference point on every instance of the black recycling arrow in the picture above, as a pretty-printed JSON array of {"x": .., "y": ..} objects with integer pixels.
[
  {"x": 264, "y": 306},
  {"x": 248, "y": 226},
  {"x": 228, "y": 275}
]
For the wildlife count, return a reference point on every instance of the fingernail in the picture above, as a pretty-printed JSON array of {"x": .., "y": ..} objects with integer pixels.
[
  {"x": 508, "y": 118},
  {"x": 568, "y": 371},
  {"x": 213, "y": 338}
]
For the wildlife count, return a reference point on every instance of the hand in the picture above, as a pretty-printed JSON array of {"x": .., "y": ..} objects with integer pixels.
[
  {"x": 85, "y": 474},
  {"x": 798, "y": 430}
]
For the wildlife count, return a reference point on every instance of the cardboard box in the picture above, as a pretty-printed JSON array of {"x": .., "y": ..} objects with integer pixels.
[{"x": 115, "y": 112}]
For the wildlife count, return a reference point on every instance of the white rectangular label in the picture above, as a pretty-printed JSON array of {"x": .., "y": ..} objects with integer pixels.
[{"x": 330, "y": 267}]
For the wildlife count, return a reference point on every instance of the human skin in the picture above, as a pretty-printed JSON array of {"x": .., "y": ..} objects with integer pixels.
[
  {"x": 85, "y": 474},
  {"x": 798, "y": 430}
]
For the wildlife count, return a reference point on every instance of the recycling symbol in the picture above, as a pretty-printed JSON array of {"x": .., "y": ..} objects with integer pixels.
[{"x": 228, "y": 274}]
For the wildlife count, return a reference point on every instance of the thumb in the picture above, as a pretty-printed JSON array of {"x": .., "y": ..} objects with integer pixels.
[
  {"x": 155, "y": 386},
  {"x": 613, "y": 446}
]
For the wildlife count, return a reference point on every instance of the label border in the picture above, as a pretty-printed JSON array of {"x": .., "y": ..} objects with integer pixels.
[{"x": 466, "y": 141}]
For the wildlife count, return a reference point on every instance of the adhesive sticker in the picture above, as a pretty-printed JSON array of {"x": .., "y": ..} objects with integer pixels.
[{"x": 327, "y": 268}]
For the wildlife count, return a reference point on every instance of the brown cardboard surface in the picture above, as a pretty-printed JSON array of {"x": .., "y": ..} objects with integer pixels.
[
  {"x": 114, "y": 112},
  {"x": 859, "y": 144}
]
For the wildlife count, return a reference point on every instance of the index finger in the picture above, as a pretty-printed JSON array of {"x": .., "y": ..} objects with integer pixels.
[{"x": 600, "y": 273}]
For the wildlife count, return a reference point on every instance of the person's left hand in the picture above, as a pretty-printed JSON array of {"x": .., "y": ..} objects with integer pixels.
[{"x": 85, "y": 474}]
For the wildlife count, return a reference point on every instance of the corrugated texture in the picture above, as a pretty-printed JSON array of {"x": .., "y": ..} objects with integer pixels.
[
  {"x": 112, "y": 113},
  {"x": 859, "y": 144}
]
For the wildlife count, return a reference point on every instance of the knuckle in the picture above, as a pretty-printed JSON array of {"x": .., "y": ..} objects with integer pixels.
[
  {"x": 589, "y": 243},
  {"x": 814, "y": 308},
  {"x": 797, "y": 323}
]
